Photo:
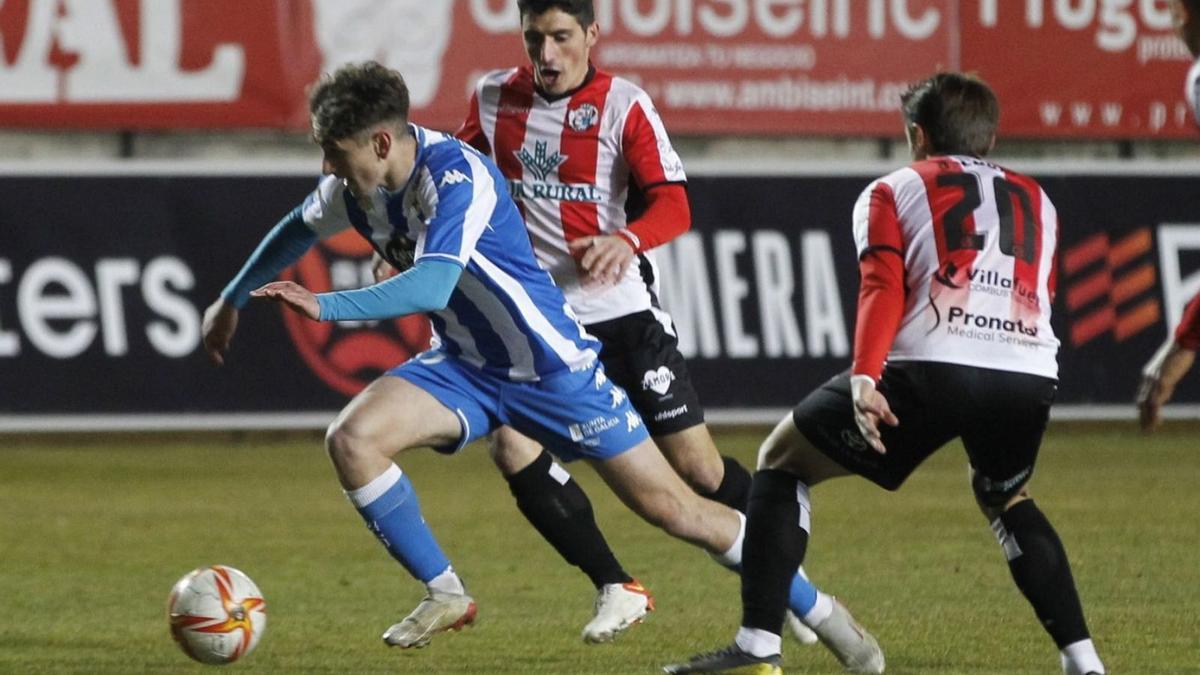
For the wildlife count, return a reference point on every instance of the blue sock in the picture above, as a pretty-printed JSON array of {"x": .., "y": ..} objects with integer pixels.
[
  {"x": 802, "y": 596},
  {"x": 389, "y": 506}
]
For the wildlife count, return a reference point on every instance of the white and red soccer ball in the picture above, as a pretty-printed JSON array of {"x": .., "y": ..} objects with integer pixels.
[{"x": 217, "y": 614}]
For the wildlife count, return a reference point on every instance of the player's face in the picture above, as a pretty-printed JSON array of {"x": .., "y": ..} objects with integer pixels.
[
  {"x": 558, "y": 48},
  {"x": 356, "y": 162}
]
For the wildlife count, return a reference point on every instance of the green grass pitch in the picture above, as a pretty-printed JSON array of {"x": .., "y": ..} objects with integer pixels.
[{"x": 94, "y": 531}]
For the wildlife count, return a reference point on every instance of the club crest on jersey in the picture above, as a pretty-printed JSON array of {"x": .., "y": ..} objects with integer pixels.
[
  {"x": 538, "y": 162},
  {"x": 583, "y": 118}
]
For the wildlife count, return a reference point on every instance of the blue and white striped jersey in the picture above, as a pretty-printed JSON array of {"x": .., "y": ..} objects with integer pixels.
[{"x": 505, "y": 316}]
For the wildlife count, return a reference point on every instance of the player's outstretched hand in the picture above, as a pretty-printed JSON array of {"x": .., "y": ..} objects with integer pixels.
[
  {"x": 605, "y": 258},
  {"x": 1160, "y": 375},
  {"x": 217, "y": 329},
  {"x": 870, "y": 408},
  {"x": 296, "y": 297}
]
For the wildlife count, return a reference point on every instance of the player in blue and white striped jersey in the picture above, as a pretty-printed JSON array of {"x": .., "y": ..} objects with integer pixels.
[{"x": 507, "y": 352}]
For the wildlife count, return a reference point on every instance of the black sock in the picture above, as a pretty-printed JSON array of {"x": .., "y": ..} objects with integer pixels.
[
  {"x": 1039, "y": 566},
  {"x": 734, "y": 490},
  {"x": 563, "y": 515},
  {"x": 774, "y": 547}
]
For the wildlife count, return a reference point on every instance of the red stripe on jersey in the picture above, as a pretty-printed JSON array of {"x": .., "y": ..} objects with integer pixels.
[
  {"x": 1187, "y": 333},
  {"x": 953, "y": 196},
  {"x": 1019, "y": 198},
  {"x": 639, "y": 144},
  {"x": 512, "y": 117},
  {"x": 580, "y": 143},
  {"x": 471, "y": 131},
  {"x": 881, "y": 286}
]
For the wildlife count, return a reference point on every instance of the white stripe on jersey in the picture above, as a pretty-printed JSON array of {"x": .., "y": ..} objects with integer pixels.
[{"x": 567, "y": 351}]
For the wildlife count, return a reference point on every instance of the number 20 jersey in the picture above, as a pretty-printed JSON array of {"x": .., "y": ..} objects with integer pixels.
[{"x": 978, "y": 245}]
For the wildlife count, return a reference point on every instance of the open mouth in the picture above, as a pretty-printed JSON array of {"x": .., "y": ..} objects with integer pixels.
[{"x": 549, "y": 76}]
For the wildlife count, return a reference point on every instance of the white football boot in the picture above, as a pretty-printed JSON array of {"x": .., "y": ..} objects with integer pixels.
[
  {"x": 437, "y": 612},
  {"x": 618, "y": 606},
  {"x": 803, "y": 634},
  {"x": 857, "y": 649}
]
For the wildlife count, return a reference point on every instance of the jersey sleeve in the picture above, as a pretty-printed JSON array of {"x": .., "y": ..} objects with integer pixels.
[
  {"x": 656, "y": 169},
  {"x": 647, "y": 149},
  {"x": 462, "y": 195},
  {"x": 471, "y": 131},
  {"x": 324, "y": 210},
  {"x": 1187, "y": 333},
  {"x": 881, "y": 293}
]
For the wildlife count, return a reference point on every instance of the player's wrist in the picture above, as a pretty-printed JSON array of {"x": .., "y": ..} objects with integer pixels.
[{"x": 630, "y": 238}]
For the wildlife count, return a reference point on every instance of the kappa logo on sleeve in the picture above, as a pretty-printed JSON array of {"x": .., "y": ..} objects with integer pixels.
[{"x": 454, "y": 177}]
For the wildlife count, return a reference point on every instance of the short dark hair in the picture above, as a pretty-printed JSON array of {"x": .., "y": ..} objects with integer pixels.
[
  {"x": 958, "y": 112},
  {"x": 355, "y": 98},
  {"x": 583, "y": 10}
]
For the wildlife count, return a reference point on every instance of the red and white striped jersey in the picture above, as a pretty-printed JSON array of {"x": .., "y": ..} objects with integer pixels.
[
  {"x": 978, "y": 244},
  {"x": 570, "y": 162}
]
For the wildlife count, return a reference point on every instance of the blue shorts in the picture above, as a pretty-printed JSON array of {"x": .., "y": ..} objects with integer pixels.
[{"x": 575, "y": 414}]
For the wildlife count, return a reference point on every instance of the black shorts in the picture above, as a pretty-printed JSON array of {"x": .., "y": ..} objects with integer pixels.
[
  {"x": 643, "y": 358},
  {"x": 999, "y": 415}
]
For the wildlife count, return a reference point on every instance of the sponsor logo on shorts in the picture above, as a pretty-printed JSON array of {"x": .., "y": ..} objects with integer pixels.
[
  {"x": 632, "y": 420},
  {"x": 658, "y": 381},
  {"x": 593, "y": 427},
  {"x": 618, "y": 396},
  {"x": 671, "y": 414}
]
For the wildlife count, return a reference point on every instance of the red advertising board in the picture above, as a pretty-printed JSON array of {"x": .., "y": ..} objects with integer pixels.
[{"x": 1062, "y": 68}]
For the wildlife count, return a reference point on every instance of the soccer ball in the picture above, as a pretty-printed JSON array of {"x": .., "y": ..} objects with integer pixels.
[{"x": 217, "y": 614}]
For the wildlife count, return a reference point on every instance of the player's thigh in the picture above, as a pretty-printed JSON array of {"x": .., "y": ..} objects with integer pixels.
[
  {"x": 694, "y": 455},
  {"x": 395, "y": 413},
  {"x": 644, "y": 481},
  {"x": 786, "y": 449},
  {"x": 512, "y": 450},
  {"x": 1004, "y": 430},
  {"x": 643, "y": 358},
  {"x": 826, "y": 419}
]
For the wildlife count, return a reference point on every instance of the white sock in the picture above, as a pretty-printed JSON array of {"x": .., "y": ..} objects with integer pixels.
[
  {"x": 820, "y": 611},
  {"x": 363, "y": 496},
  {"x": 758, "y": 642},
  {"x": 1079, "y": 658},
  {"x": 733, "y": 557},
  {"x": 447, "y": 582}
]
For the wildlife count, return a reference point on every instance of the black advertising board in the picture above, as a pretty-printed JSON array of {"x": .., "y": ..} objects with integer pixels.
[{"x": 104, "y": 278}]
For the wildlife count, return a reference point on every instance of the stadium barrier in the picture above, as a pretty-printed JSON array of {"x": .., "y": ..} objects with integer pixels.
[{"x": 106, "y": 273}]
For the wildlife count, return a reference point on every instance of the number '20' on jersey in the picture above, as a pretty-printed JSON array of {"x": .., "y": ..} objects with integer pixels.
[{"x": 978, "y": 247}]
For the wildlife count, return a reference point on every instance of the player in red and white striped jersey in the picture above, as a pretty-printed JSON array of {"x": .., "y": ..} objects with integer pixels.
[
  {"x": 1174, "y": 358},
  {"x": 953, "y": 340},
  {"x": 600, "y": 185}
]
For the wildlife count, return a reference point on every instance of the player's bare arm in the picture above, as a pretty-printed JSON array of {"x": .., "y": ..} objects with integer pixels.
[
  {"x": 1160, "y": 376},
  {"x": 218, "y": 327}
]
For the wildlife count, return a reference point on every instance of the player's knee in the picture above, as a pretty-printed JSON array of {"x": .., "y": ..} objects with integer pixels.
[
  {"x": 511, "y": 452},
  {"x": 994, "y": 498},
  {"x": 703, "y": 474},
  {"x": 345, "y": 443}
]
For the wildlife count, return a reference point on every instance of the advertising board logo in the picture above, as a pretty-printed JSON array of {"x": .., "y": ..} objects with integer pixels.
[
  {"x": 348, "y": 355},
  {"x": 1109, "y": 282}
]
